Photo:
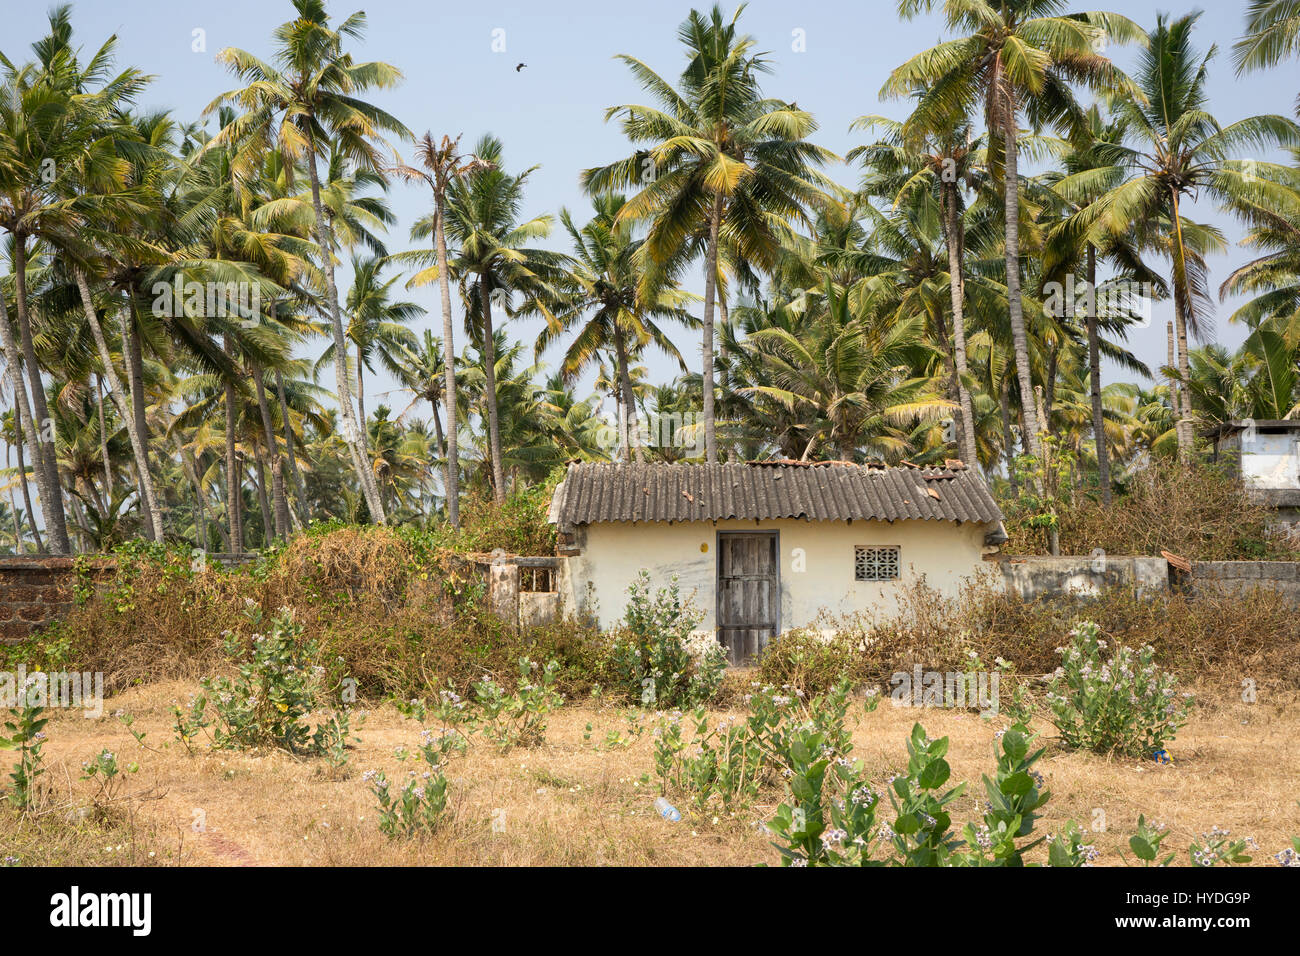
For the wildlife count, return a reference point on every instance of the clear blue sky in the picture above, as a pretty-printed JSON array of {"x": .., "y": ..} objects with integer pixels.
[{"x": 551, "y": 113}]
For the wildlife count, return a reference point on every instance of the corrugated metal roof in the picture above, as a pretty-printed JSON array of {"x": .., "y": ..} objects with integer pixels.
[{"x": 817, "y": 491}]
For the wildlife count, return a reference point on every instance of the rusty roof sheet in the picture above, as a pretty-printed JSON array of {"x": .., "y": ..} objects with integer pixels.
[{"x": 817, "y": 491}]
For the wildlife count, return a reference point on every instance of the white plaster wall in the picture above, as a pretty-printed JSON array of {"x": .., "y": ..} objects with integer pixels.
[
  {"x": 1269, "y": 461},
  {"x": 816, "y": 570}
]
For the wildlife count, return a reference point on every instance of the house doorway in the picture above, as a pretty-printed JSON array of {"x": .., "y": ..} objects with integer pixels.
[{"x": 749, "y": 605}]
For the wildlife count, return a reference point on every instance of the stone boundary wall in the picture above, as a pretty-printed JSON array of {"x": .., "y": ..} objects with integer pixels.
[
  {"x": 38, "y": 589},
  {"x": 1244, "y": 576},
  {"x": 35, "y": 590}
]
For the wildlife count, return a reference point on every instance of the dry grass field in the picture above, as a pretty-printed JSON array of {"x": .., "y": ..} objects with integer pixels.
[{"x": 573, "y": 802}]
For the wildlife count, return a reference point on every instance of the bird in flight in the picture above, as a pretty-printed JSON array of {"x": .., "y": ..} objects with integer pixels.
[{"x": 520, "y": 67}]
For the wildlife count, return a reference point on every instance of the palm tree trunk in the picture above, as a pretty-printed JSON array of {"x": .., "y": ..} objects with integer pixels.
[
  {"x": 626, "y": 407},
  {"x": 22, "y": 410},
  {"x": 13, "y": 507},
  {"x": 1015, "y": 307},
  {"x": 133, "y": 366},
  {"x": 192, "y": 474},
  {"x": 706, "y": 345},
  {"x": 79, "y": 522},
  {"x": 43, "y": 452},
  {"x": 957, "y": 287},
  {"x": 234, "y": 469},
  {"x": 103, "y": 437},
  {"x": 361, "y": 406},
  {"x": 1094, "y": 381},
  {"x": 149, "y": 501},
  {"x": 259, "y": 481},
  {"x": 451, "y": 480},
  {"x": 135, "y": 378},
  {"x": 278, "y": 496},
  {"x": 490, "y": 388},
  {"x": 1008, "y": 439},
  {"x": 724, "y": 383},
  {"x": 1049, "y": 398},
  {"x": 1182, "y": 306},
  {"x": 352, "y": 434},
  {"x": 303, "y": 505},
  {"x": 437, "y": 431}
]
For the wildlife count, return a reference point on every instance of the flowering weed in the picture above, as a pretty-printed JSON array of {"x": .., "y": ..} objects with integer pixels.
[{"x": 1126, "y": 704}]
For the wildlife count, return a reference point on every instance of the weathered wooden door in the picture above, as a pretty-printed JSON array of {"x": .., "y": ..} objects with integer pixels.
[{"x": 748, "y": 592}]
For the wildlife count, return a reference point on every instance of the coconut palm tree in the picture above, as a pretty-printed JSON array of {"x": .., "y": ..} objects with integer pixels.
[
  {"x": 1086, "y": 174},
  {"x": 720, "y": 162},
  {"x": 1272, "y": 212},
  {"x": 602, "y": 300},
  {"x": 855, "y": 374},
  {"x": 441, "y": 164},
  {"x": 376, "y": 324},
  {"x": 1272, "y": 35},
  {"x": 1180, "y": 150},
  {"x": 422, "y": 370},
  {"x": 53, "y": 119},
  {"x": 943, "y": 163},
  {"x": 1012, "y": 56},
  {"x": 493, "y": 260},
  {"x": 307, "y": 101}
]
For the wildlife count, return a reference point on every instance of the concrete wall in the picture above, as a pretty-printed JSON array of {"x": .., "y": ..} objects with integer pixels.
[
  {"x": 1033, "y": 576},
  {"x": 1243, "y": 576},
  {"x": 523, "y": 607},
  {"x": 816, "y": 563}
]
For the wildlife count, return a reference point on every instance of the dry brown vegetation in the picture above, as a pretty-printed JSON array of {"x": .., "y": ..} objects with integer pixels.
[
  {"x": 572, "y": 802},
  {"x": 1214, "y": 637},
  {"x": 405, "y": 613},
  {"x": 1202, "y": 514}
]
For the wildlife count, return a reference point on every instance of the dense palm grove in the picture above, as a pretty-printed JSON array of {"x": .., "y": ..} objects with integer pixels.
[{"x": 167, "y": 288}]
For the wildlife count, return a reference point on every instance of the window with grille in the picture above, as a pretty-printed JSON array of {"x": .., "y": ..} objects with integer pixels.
[
  {"x": 536, "y": 579},
  {"x": 875, "y": 564}
]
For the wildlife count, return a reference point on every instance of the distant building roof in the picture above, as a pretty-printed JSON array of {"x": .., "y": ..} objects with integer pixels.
[
  {"x": 765, "y": 490},
  {"x": 1223, "y": 429}
]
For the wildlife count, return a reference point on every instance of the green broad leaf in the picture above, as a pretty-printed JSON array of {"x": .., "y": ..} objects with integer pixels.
[
  {"x": 1014, "y": 745},
  {"x": 1142, "y": 849},
  {"x": 935, "y": 775},
  {"x": 801, "y": 788},
  {"x": 1018, "y": 784},
  {"x": 1058, "y": 855},
  {"x": 907, "y": 823}
]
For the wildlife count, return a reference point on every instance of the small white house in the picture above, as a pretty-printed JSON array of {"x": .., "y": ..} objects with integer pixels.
[{"x": 762, "y": 547}]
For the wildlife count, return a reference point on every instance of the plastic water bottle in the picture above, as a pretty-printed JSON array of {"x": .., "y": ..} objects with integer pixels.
[{"x": 667, "y": 810}]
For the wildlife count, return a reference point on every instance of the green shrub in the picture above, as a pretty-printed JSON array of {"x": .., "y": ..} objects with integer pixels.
[
  {"x": 278, "y": 683},
  {"x": 519, "y": 526},
  {"x": 1125, "y": 704},
  {"x": 728, "y": 763},
  {"x": 518, "y": 719},
  {"x": 810, "y": 659},
  {"x": 824, "y": 783},
  {"x": 421, "y": 804},
  {"x": 656, "y": 655},
  {"x": 26, "y": 735},
  {"x": 505, "y": 719}
]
